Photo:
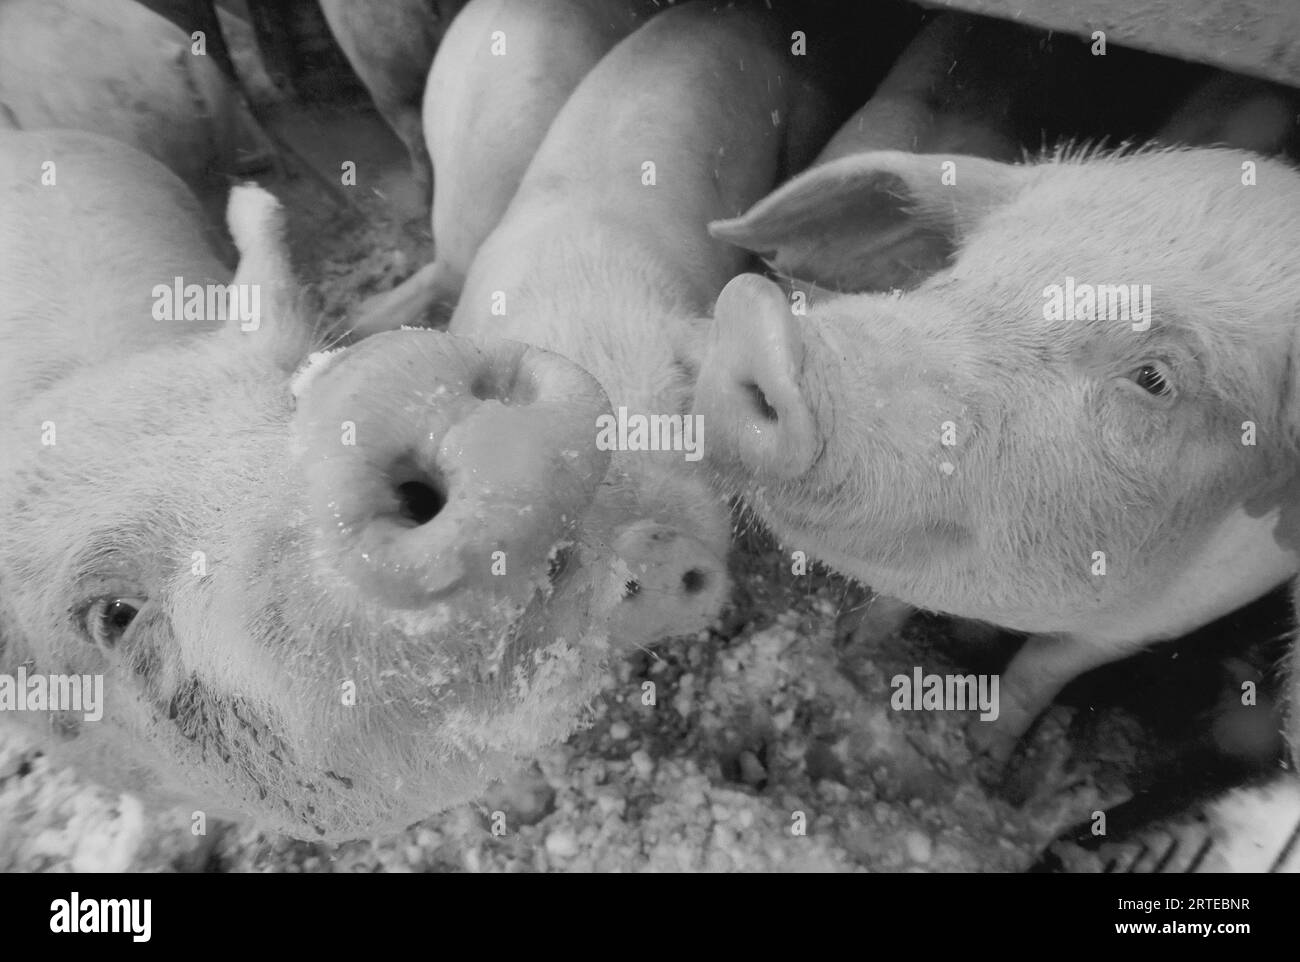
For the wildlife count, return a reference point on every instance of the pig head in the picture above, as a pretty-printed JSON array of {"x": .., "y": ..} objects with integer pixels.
[
  {"x": 116, "y": 68},
  {"x": 1059, "y": 397},
  {"x": 335, "y": 601}
]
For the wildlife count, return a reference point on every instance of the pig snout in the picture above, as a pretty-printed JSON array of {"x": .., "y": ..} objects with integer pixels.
[
  {"x": 749, "y": 390},
  {"x": 673, "y": 584},
  {"x": 435, "y": 465}
]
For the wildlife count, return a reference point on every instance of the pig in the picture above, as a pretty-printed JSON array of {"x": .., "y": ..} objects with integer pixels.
[
  {"x": 331, "y": 591},
  {"x": 198, "y": 15},
  {"x": 113, "y": 67},
  {"x": 390, "y": 44},
  {"x": 978, "y": 86},
  {"x": 1238, "y": 112},
  {"x": 503, "y": 72},
  {"x": 951, "y": 90},
  {"x": 1101, "y": 477},
  {"x": 603, "y": 257}
]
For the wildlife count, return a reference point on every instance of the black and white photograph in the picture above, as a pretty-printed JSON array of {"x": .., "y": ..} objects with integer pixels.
[{"x": 634, "y": 436}]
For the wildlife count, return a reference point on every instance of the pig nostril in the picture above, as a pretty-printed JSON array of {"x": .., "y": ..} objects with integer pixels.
[
  {"x": 419, "y": 501},
  {"x": 506, "y": 387},
  {"x": 759, "y": 400},
  {"x": 694, "y": 581}
]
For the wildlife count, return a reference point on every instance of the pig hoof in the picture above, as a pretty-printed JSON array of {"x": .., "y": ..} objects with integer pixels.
[
  {"x": 993, "y": 742},
  {"x": 523, "y": 798},
  {"x": 253, "y": 214}
]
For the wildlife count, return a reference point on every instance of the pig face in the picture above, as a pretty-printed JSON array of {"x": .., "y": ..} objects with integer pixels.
[
  {"x": 609, "y": 314},
  {"x": 967, "y": 443},
  {"x": 335, "y": 604},
  {"x": 296, "y": 636}
]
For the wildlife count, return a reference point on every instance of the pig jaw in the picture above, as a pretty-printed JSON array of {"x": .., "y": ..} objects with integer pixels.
[
  {"x": 831, "y": 431},
  {"x": 979, "y": 543},
  {"x": 1004, "y": 524}
]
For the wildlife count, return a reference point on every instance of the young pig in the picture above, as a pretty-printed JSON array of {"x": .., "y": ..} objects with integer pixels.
[
  {"x": 951, "y": 90},
  {"x": 603, "y": 256},
  {"x": 334, "y": 602},
  {"x": 1081, "y": 431},
  {"x": 1237, "y": 111},
  {"x": 503, "y": 72},
  {"x": 114, "y": 68},
  {"x": 390, "y": 44},
  {"x": 198, "y": 15}
]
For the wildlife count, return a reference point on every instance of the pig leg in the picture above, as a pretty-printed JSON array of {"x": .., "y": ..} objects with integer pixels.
[
  {"x": 390, "y": 45},
  {"x": 409, "y": 128},
  {"x": 1040, "y": 669},
  {"x": 880, "y": 619},
  {"x": 411, "y": 303}
]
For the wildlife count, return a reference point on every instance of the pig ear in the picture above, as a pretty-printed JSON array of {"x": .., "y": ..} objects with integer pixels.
[
  {"x": 278, "y": 330},
  {"x": 873, "y": 221}
]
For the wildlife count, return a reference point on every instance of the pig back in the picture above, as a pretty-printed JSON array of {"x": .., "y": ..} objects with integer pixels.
[
  {"x": 117, "y": 68},
  {"x": 88, "y": 227},
  {"x": 683, "y": 121}
]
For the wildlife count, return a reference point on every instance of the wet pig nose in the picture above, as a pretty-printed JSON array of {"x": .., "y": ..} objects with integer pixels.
[
  {"x": 674, "y": 584},
  {"x": 749, "y": 389},
  {"x": 434, "y": 464}
]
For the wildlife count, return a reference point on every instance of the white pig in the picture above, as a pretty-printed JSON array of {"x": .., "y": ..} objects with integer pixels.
[
  {"x": 334, "y": 601},
  {"x": 502, "y": 73},
  {"x": 949, "y": 91},
  {"x": 390, "y": 44},
  {"x": 603, "y": 256},
  {"x": 115, "y": 68},
  {"x": 1081, "y": 422}
]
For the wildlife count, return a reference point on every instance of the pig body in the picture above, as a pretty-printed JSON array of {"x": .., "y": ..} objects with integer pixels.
[
  {"x": 603, "y": 256},
  {"x": 198, "y": 15},
  {"x": 951, "y": 90},
  {"x": 503, "y": 72},
  {"x": 1103, "y": 475},
  {"x": 390, "y": 44},
  {"x": 115, "y": 68},
  {"x": 1234, "y": 111},
  {"x": 334, "y": 601}
]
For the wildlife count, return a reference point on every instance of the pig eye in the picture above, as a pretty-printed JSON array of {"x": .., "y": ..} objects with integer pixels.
[
  {"x": 1154, "y": 379},
  {"x": 108, "y": 619}
]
